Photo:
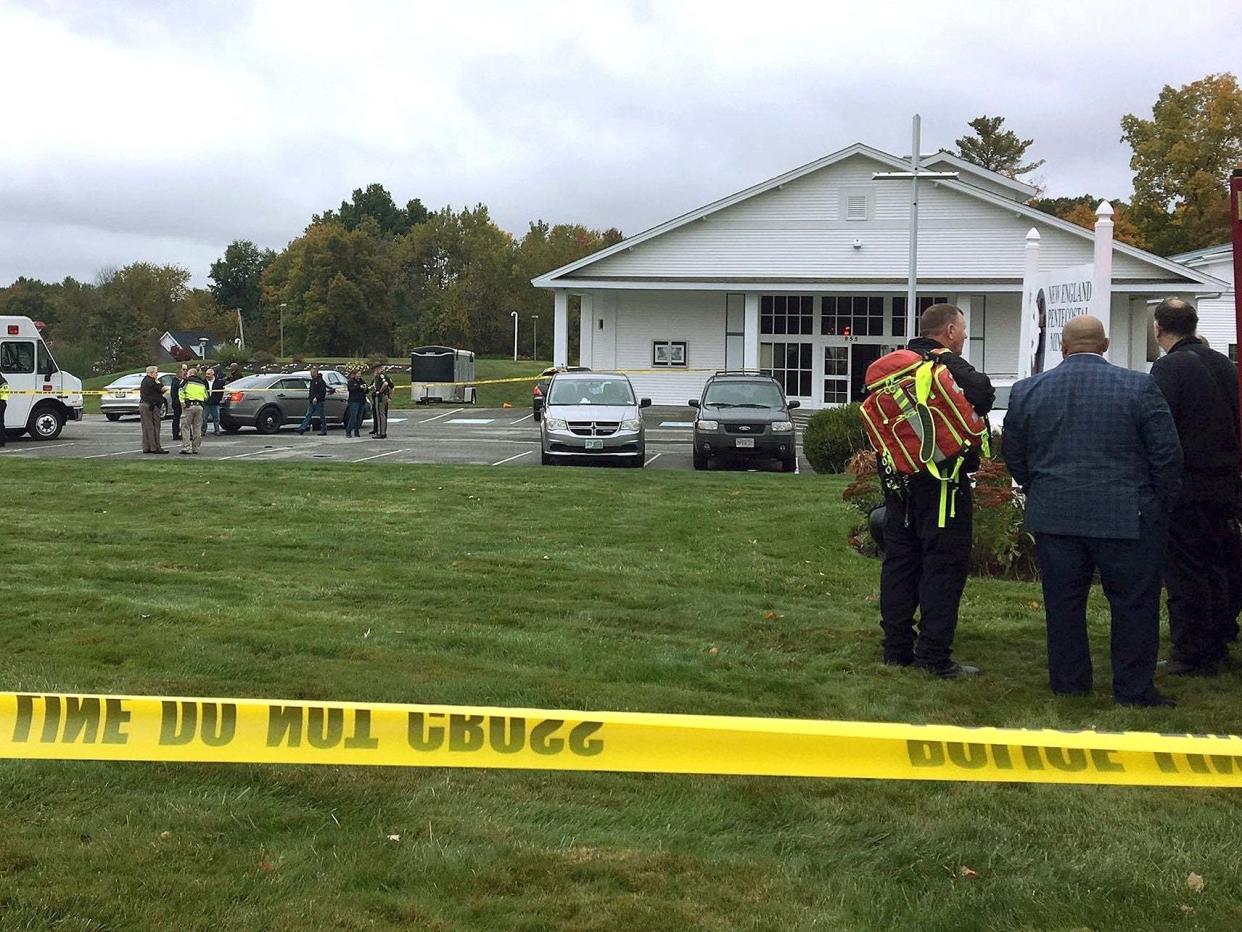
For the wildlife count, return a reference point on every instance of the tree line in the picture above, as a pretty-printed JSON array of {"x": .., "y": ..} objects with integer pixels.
[{"x": 372, "y": 277}]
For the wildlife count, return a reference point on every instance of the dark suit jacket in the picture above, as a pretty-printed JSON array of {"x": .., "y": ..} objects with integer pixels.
[
  {"x": 1201, "y": 387},
  {"x": 1093, "y": 445}
]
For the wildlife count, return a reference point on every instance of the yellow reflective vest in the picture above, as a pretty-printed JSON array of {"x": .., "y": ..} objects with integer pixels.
[{"x": 194, "y": 390}]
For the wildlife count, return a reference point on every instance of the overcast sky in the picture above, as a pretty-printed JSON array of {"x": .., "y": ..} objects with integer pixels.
[{"x": 162, "y": 131}]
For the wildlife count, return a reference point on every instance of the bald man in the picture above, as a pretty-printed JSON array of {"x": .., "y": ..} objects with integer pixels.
[{"x": 1095, "y": 450}]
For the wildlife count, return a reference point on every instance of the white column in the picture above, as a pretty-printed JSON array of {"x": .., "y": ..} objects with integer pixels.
[
  {"x": 1028, "y": 328},
  {"x": 750, "y": 340},
  {"x": 586, "y": 331},
  {"x": 560, "y": 328},
  {"x": 963, "y": 301},
  {"x": 1102, "y": 287}
]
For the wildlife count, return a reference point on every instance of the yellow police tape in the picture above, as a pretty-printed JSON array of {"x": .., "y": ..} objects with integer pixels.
[{"x": 57, "y": 726}]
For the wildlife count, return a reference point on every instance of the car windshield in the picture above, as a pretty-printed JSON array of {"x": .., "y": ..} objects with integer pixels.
[
  {"x": 129, "y": 381},
  {"x": 743, "y": 395},
  {"x": 591, "y": 392}
]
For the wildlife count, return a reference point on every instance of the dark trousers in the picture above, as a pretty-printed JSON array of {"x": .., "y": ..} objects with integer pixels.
[
  {"x": 3, "y": 407},
  {"x": 314, "y": 412},
  {"x": 353, "y": 418},
  {"x": 1130, "y": 571},
  {"x": 925, "y": 568},
  {"x": 176, "y": 421},
  {"x": 1199, "y": 580}
]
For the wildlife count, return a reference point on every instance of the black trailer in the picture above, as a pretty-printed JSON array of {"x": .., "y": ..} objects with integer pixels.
[{"x": 441, "y": 373}]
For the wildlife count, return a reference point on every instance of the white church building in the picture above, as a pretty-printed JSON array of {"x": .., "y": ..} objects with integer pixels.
[{"x": 804, "y": 276}]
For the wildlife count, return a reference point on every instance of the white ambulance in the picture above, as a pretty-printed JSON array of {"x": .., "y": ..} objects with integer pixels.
[{"x": 41, "y": 397}]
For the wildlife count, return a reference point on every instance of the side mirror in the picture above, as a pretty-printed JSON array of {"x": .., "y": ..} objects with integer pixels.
[
  {"x": 693, "y": 402},
  {"x": 794, "y": 404},
  {"x": 644, "y": 403}
]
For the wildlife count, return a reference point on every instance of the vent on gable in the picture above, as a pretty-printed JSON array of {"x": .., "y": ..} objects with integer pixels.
[{"x": 856, "y": 207}]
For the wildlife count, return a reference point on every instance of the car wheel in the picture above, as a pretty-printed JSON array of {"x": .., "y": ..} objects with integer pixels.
[
  {"x": 547, "y": 459},
  {"x": 700, "y": 460},
  {"x": 164, "y": 415},
  {"x": 45, "y": 423},
  {"x": 112, "y": 417},
  {"x": 636, "y": 462},
  {"x": 269, "y": 420},
  {"x": 232, "y": 428},
  {"x": 789, "y": 465}
]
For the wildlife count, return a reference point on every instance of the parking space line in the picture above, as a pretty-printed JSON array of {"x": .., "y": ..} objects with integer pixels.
[
  {"x": 677, "y": 423},
  {"x": 470, "y": 420},
  {"x": 377, "y": 456},
  {"x": 653, "y": 459},
  {"x": 95, "y": 456},
  {"x": 510, "y": 459},
  {"x": 521, "y": 419},
  {"x": 238, "y": 456},
  {"x": 438, "y": 416}
]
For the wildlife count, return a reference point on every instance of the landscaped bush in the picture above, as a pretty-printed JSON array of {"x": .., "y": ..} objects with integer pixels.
[
  {"x": 832, "y": 437},
  {"x": 1002, "y": 547},
  {"x": 229, "y": 354}
]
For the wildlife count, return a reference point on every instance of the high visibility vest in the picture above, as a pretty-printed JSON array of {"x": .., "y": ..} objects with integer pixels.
[
  {"x": 4, "y": 389},
  {"x": 194, "y": 390}
]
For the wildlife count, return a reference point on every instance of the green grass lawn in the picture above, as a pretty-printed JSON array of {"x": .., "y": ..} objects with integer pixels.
[{"x": 586, "y": 588}]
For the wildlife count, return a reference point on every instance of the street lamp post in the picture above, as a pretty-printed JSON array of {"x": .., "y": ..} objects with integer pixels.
[
  {"x": 514, "y": 315},
  {"x": 534, "y": 350},
  {"x": 282, "y": 330},
  {"x": 914, "y": 175}
]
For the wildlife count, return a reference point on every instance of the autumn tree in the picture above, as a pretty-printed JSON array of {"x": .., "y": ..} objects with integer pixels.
[
  {"x": 996, "y": 149},
  {"x": 375, "y": 204},
  {"x": 1182, "y": 160},
  {"x": 1081, "y": 211}
]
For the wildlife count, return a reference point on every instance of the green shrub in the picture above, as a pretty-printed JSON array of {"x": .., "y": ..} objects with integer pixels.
[
  {"x": 1001, "y": 545},
  {"x": 262, "y": 358},
  {"x": 228, "y": 354},
  {"x": 832, "y": 437}
]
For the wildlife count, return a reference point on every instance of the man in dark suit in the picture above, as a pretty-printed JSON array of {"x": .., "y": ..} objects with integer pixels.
[
  {"x": 926, "y": 562},
  {"x": 1095, "y": 449},
  {"x": 1201, "y": 387}
]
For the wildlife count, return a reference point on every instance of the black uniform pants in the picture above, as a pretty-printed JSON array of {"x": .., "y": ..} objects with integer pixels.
[
  {"x": 1199, "y": 577},
  {"x": 3, "y": 406},
  {"x": 924, "y": 570},
  {"x": 1130, "y": 572},
  {"x": 176, "y": 419}
]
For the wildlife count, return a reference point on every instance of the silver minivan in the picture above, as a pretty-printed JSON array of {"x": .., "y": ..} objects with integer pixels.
[{"x": 592, "y": 415}]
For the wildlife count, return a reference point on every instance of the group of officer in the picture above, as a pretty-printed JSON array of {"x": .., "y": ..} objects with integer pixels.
[{"x": 1136, "y": 476}]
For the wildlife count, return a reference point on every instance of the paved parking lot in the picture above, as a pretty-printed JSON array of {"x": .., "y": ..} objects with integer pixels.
[{"x": 490, "y": 437}]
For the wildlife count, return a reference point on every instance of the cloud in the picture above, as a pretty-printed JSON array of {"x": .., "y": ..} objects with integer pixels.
[{"x": 163, "y": 131}]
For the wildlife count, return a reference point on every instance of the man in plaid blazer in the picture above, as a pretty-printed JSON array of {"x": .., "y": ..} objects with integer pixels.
[{"x": 1096, "y": 451}]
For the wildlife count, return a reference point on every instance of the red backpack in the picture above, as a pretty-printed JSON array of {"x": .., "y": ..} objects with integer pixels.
[{"x": 918, "y": 418}]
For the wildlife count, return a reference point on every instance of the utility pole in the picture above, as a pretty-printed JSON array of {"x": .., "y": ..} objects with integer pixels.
[
  {"x": 282, "y": 330},
  {"x": 534, "y": 350},
  {"x": 915, "y": 173},
  {"x": 241, "y": 332},
  {"x": 1235, "y": 216}
]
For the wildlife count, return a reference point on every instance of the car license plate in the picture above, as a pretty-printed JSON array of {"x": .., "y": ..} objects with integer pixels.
[
  {"x": 745, "y": 443},
  {"x": 120, "y": 394},
  {"x": 595, "y": 444}
]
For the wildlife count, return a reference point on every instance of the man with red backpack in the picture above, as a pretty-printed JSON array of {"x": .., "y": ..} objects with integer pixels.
[{"x": 927, "y": 518}]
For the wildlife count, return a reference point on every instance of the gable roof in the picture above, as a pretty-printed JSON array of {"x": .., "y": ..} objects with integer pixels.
[
  {"x": 1020, "y": 188},
  {"x": 192, "y": 337},
  {"x": 1202, "y": 256},
  {"x": 550, "y": 279}
]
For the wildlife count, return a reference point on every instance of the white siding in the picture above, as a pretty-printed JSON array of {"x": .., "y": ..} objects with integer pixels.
[
  {"x": 1000, "y": 339},
  {"x": 1218, "y": 316},
  {"x": 800, "y": 232},
  {"x": 698, "y": 318}
]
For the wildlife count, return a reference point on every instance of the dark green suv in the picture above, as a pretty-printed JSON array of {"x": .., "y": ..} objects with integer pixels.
[{"x": 744, "y": 414}]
